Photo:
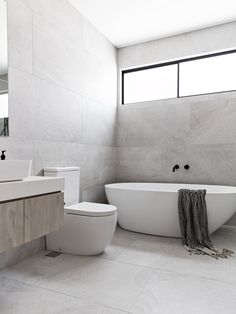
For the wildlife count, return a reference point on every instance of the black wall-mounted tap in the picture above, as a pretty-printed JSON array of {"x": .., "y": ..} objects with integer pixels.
[
  {"x": 176, "y": 167},
  {"x": 3, "y": 156},
  {"x": 186, "y": 167}
]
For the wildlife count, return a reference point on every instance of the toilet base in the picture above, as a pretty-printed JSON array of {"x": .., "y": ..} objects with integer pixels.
[{"x": 83, "y": 235}]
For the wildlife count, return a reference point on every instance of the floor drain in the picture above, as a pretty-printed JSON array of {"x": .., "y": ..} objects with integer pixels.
[{"x": 53, "y": 254}]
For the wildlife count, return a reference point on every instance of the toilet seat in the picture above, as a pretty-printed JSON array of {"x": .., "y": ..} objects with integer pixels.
[{"x": 91, "y": 209}]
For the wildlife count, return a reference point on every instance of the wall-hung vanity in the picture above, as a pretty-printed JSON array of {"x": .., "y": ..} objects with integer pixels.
[{"x": 29, "y": 209}]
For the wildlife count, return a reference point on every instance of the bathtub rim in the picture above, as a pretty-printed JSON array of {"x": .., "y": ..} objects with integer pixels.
[{"x": 226, "y": 189}]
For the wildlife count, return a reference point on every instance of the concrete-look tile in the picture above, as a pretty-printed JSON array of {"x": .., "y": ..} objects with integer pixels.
[
  {"x": 99, "y": 123},
  {"x": 20, "y": 298},
  {"x": 183, "y": 154},
  {"x": 204, "y": 161},
  {"x": 88, "y": 277},
  {"x": 21, "y": 104},
  {"x": 97, "y": 164},
  {"x": 170, "y": 293},
  {"x": 54, "y": 154},
  {"x": 108, "y": 283},
  {"x": 97, "y": 169},
  {"x": 43, "y": 110},
  {"x": 107, "y": 171},
  {"x": 89, "y": 160},
  {"x": 41, "y": 270},
  {"x": 57, "y": 112},
  {"x": 218, "y": 162},
  {"x": 231, "y": 221},
  {"x": 100, "y": 79},
  {"x": 20, "y": 253},
  {"x": 20, "y": 35},
  {"x": 63, "y": 16},
  {"x": 52, "y": 65},
  {"x": 107, "y": 165},
  {"x": 168, "y": 254},
  {"x": 137, "y": 273},
  {"x": 17, "y": 148},
  {"x": 138, "y": 164},
  {"x": 94, "y": 40},
  {"x": 175, "y": 47},
  {"x": 153, "y": 123},
  {"x": 94, "y": 193},
  {"x": 53, "y": 54},
  {"x": 121, "y": 242},
  {"x": 93, "y": 161},
  {"x": 213, "y": 122},
  {"x": 101, "y": 67}
]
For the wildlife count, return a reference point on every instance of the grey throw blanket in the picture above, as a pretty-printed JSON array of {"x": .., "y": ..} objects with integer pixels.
[{"x": 194, "y": 224}]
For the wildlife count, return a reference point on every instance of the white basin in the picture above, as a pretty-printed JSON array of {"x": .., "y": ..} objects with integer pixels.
[
  {"x": 14, "y": 170},
  {"x": 30, "y": 186}
]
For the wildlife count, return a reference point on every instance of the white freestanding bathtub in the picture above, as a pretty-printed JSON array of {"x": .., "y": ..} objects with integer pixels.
[{"x": 152, "y": 208}]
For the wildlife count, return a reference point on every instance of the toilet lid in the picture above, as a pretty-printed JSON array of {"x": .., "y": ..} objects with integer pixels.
[{"x": 91, "y": 209}]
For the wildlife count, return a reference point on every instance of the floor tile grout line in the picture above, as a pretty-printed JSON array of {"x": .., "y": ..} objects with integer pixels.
[
  {"x": 131, "y": 264},
  {"x": 87, "y": 299},
  {"x": 169, "y": 271},
  {"x": 156, "y": 269}
]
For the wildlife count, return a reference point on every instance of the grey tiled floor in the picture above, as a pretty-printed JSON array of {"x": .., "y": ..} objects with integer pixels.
[{"x": 137, "y": 274}]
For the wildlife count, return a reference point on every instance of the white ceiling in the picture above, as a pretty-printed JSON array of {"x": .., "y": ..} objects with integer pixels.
[{"x": 125, "y": 22}]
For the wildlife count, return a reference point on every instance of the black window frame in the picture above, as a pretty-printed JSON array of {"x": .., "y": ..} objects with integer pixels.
[{"x": 175, "y": 62}]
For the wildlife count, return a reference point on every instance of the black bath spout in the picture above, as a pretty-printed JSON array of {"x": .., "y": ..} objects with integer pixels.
[{"x": 176, "y": 167}]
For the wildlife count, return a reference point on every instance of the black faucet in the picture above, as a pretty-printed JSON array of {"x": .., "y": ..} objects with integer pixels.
[
  {"x": 3, "y": 156},
  {"x": 176, "y": 167}
]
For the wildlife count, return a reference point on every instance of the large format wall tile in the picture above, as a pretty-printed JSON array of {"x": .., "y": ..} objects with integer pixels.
[
  {"x": 20, "y": 35},
  {"x": 43, "y": 110},
  {"x": 101, "y": 67},
  {"x": 153, "y": 123},
  {"x": 213, "y": 122},
  {"x": 57, "y": 112},
  {"x": 97, "y": 164},
  {"x": 17, "y": 148},
  {"x": 21, "y": 106},
  {"x": 209, "y": 164},
  {"x": 54, "y": 154},
  {"x": 139, "y": 164},
  {"x": 56, "y": 57},
  {"x": 180, "y": 46},
  {"x": 98, "y": 123},
  {"x": 100, "y": 81},
  {"x": 63, "y": 16},
  {"x": 61, "y": 70}
]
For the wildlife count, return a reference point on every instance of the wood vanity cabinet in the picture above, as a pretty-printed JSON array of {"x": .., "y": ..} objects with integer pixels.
[
  {"x": 24, "y": 220},
  {"x": 43, "y": 214},
  {"x": 11, "y": 224}
]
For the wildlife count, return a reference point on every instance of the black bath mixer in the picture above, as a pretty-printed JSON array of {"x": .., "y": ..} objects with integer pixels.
[{"x": 176, "y": 167}]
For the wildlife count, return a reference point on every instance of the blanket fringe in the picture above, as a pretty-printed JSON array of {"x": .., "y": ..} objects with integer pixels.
[{"x": 212, "y": 252}]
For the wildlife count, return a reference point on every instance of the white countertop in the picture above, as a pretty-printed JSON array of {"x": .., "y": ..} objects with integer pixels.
[{"x": 31, "y": 186}]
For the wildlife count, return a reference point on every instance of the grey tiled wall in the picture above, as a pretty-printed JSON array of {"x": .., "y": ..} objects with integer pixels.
[
  {"x": 62, "y": 97},
  {"x": 200, "y": 131},
  {"x": 62, "y": 92}
]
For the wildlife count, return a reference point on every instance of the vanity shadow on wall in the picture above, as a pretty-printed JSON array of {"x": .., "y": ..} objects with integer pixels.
[{"x": 4, "y": 119}]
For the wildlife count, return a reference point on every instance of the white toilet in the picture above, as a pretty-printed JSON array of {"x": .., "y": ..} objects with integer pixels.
[{"x": 88, "y": 227}]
